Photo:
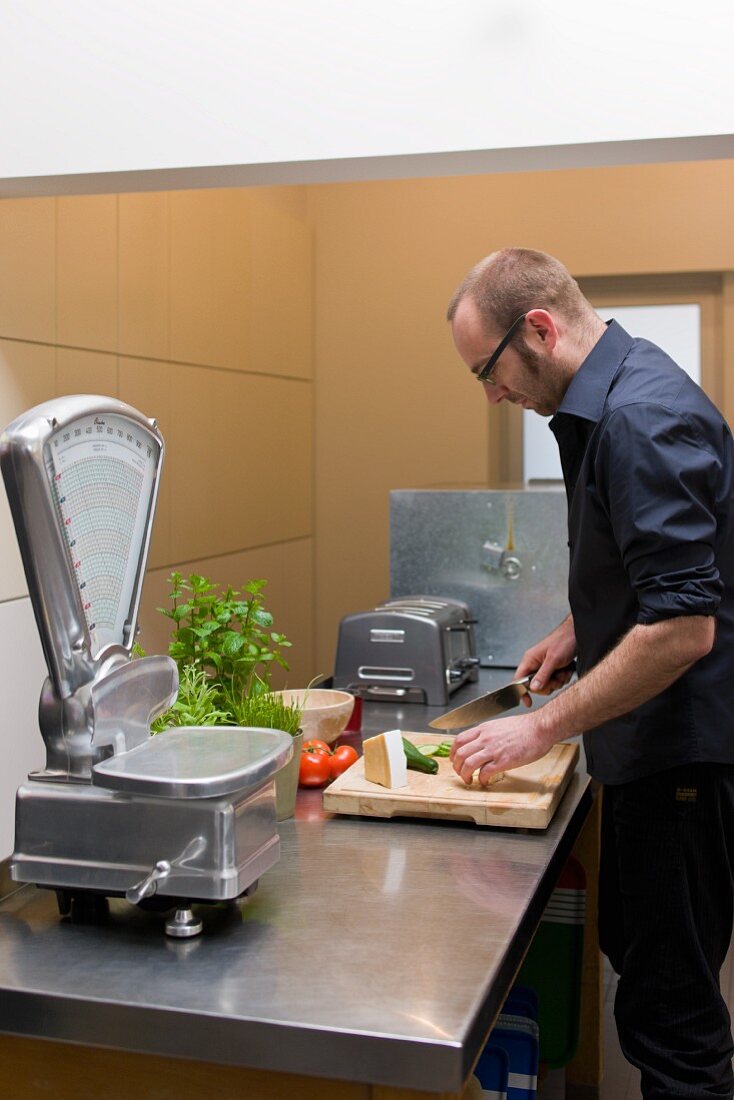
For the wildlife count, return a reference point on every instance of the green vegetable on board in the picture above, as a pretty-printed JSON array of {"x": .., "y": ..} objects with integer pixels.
[
  {"x": 417, "y": 761},
  {"x": 442, "y": 749}
]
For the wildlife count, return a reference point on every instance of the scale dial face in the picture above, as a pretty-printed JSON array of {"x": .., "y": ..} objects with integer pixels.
[{"x": 102, "y": 469}]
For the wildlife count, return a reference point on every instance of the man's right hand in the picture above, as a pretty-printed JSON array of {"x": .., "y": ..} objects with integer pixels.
[{"x": 549, "y": 659}]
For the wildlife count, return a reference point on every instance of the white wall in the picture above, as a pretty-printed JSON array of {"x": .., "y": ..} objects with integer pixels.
[
  {"x": 22, "y": 672},
  {"x": 674, "y": 328},
  {"x": 127, "y": 85}
]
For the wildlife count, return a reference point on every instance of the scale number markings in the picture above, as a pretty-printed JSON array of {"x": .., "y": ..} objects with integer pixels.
[{"x": 101, "y": 490}]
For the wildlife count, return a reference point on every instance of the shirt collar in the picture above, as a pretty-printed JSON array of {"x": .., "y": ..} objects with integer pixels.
[{"x": 587, "y": 393}]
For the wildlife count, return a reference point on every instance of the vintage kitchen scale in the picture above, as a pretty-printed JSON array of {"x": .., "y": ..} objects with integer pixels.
[{"x": 187, "y": 815}]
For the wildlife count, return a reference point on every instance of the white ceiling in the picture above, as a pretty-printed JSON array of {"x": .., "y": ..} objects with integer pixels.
[{"x": 133, "y": 94}]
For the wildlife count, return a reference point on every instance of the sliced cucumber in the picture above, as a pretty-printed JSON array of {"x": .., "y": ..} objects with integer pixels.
[{"x": 442, "y": 748}]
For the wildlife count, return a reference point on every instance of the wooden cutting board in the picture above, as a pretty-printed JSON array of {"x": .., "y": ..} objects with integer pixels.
[{"x": 526, "y": 798}]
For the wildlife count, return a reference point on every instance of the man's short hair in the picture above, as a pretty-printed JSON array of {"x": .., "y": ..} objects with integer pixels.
[{"x": 512, "y": 281}]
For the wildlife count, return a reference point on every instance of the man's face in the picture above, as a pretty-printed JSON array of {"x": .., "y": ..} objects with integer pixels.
[{"x": 534, "y": 381}]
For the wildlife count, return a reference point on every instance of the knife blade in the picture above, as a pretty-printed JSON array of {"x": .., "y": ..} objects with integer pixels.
[
  {"x": 489, "y": 705},
  {"x": 486, "y": 706}
]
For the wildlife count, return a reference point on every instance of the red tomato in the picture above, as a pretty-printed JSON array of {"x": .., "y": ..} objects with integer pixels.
[
  {"x": 317, "y": 746},
  {"x": 342, "y": 759},
  {"x": 314, "y": 769}
]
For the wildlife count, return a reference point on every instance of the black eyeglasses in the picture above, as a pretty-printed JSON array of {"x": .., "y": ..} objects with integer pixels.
[{"x": 485, "y": 374}]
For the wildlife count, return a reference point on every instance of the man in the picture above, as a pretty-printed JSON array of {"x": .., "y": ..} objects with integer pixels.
[{"x": 648, "y": 465}]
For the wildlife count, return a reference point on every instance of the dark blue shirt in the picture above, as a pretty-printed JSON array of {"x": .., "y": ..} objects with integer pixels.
[{"x": 648, "y": 466}]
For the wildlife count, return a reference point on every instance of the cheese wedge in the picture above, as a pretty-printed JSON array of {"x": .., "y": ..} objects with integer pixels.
[{"x": 384, "y": 759}]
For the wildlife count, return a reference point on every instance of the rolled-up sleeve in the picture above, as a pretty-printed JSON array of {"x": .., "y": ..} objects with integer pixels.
[{"x": 656, "y": 479}]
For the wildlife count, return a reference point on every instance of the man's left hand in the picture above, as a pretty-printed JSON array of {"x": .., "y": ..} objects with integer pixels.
[{"x": 499, "y": 745}]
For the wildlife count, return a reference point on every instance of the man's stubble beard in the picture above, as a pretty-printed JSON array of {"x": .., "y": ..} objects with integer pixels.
[{"x": 546, "y": 373}]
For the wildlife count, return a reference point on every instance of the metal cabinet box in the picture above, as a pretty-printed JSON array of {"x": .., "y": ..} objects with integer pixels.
[{"x": 504, "y": 553}]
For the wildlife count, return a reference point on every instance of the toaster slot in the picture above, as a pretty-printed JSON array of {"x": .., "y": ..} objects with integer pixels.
[
  {"x": 373, "y": 672},
  {"x": 394, "y": 694}
]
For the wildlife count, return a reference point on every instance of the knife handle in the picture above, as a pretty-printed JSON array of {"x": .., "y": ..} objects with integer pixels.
[{"x": 570, "y": 667}]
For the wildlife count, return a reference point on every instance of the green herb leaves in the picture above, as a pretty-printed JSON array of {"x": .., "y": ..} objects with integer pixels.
[
  {"x": 224, "y": 646},
  {"x": 225, "y": 633},
  {"x": 265, "y": 708},
  {"x": 196, "y": 703}
]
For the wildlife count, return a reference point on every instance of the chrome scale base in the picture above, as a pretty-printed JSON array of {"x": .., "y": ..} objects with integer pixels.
[{"x": 213, "y": 849}]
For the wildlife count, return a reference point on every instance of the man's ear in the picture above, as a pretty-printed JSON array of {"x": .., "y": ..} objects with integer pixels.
[{"x": 542, "y": 328}]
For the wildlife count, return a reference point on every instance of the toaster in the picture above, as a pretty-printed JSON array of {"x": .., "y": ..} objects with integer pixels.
[{"x": 413, "y": 649}]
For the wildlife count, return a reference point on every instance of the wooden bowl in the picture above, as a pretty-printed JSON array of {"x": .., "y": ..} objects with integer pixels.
[{"x": 325, "y": 714}]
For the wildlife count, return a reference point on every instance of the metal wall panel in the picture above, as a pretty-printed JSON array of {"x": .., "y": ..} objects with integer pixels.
[{"x": 504, "y": 553}]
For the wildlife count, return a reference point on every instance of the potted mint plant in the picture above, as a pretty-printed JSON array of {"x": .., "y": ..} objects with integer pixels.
[
  {"x": 225, "y": 647},
  {"x": 225, "y": 633}
]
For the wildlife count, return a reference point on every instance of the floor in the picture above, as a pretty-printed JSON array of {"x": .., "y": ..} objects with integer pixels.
[{"x": 621, "y": 1081}]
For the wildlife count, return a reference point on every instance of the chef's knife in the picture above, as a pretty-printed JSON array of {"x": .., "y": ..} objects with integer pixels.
[
  {"x": 486, "y": 706},
  {"x": 489, "y": 705}
]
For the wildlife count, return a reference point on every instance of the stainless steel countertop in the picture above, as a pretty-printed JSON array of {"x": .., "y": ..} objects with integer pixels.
[{"x": 375, "y": 951}]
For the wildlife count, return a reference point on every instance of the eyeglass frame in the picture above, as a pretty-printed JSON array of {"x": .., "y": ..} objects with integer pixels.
[{"x": 484, "y": 375}]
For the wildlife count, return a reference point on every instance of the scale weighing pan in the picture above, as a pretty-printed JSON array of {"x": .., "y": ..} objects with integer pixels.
[{"x": 197, "y": 762}]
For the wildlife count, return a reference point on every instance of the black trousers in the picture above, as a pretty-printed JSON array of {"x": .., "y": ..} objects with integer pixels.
[{"x": 666, "y": 895}]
